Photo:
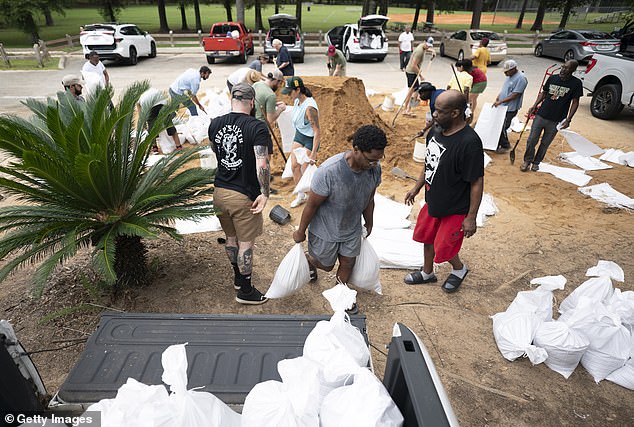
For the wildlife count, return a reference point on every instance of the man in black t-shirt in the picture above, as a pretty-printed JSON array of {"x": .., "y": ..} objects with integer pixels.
[
  {"x": 242, "y": 185},
  {"x": 453, "y": 178},
  {"x": 560, "y": 96}
]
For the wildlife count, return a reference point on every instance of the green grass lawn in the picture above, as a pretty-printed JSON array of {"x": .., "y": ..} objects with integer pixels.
[
  {"x": 30, "y": 64},
  {"x": 320, "y": 17}
]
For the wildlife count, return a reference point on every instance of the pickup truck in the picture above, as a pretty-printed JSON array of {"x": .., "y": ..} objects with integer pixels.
[
  {"x": 608, "y": 78},
  {"x": 228, "y": 40}
]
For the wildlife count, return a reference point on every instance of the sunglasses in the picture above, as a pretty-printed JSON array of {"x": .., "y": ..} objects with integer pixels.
[{"x": 371, "y": 162}]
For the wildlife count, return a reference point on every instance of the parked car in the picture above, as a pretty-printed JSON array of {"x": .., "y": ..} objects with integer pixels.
[
  {"x": 625, "y": 35},
  {"x": 228, "y": 40},
  {"x": 577, "y": 44},
  {"x": 284, "y": 27},
  {"x": 608, "y": 78},
  {"x": 117, "y": 41},
  {"x": 463, "y": 43},
  {"x": 364, "y": 40}
]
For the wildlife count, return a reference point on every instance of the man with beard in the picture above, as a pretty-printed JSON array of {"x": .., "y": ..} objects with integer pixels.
[
  {"x": 74, "y": 84},
  {"x": 265, "y": 98},
  {"x": 453, "y": 178},
  {"x": 560, "y": 96}
]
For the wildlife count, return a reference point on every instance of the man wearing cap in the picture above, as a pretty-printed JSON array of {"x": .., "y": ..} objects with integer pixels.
[
  {"x": 265, "y": 99},
  {"x": 95, "y": 66},
  {"x": 188, "y": 84},
  {"x": 242, "y": 185},
  {"x": 428, "y": 92},
  {"x": 405, "y": 40},
  {"x": 481, "y": 58},
  {"x": 74, "y": 84},
  {"x": 412, "y": 72},
  {"x": 560, "y": 100},
  {"x": 336, "y": 62},
  {"x": 283, "y": 61},
  {"x": 511, "y": 95}
]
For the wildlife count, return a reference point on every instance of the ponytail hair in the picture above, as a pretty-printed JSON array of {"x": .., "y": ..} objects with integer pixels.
[{"x": 305, "y": 91}]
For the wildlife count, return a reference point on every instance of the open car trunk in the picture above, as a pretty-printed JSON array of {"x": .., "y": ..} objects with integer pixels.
[
  {"x": 370, "y": 38},
  {"x": 98, "y": 36},
  {"x": 285, "y": 35}
]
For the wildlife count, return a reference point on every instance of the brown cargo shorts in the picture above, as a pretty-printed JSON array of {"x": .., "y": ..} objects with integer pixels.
[{"x": 235, "y": 215}]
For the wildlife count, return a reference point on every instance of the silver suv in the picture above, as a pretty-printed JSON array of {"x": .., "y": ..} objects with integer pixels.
[{"x": 284, "y": 27}]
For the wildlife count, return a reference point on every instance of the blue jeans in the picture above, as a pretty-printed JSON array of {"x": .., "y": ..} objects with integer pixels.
[
  {"x": 549, "y": 128},
  {"x": 404, "y": 57},
  {"x": 189, "y": 104}
]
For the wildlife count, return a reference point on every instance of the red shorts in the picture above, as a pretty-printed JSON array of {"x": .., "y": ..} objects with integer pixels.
[{"x": 444, "y": 233}]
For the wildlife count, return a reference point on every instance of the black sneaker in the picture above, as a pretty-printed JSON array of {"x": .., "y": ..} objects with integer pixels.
[
  {"x": 353, "y": 310},
  {"x": 253, "y": 297},
  {"x": 313, "y": 273}
]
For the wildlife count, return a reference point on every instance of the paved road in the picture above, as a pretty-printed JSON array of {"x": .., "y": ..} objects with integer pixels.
[{"x": 162, "y": 70}]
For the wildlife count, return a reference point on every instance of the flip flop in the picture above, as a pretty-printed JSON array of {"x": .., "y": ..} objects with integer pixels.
[
  {"x": 416, "y": 278},
  {"x": 453, "y": 282}
]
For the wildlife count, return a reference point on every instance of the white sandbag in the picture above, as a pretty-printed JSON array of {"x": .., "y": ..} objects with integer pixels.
[
  {"x": 487, "y": 208},
  {"x": 288, "y": 169},
  {"x": 201, "y": 225},
  {"x": 304, "y": 379},
  {"x": 199, "y": 127},
  {"x": 573, "y": 176},
  {"x": 610, "y": 342},
  {"x": 270, "y": 404},
  {"x": 166, "y": 143},
  {"x": 287, "y": 129},
  {"x": 185, "y": 134},
  {"x": 599, "y": 289},
  {"x": 303, "y": 185},
  {"x": 389, "y": 214},
  {"x": 622, "y": 304},
  {"x": 564, "y": 346},
  {"x": 514, "y": 333},
  {"x": 624, "y": 376},
  {"x": 301, "y": 155},
  {"x": 216, "y": 103},
  {"x": 153, "y": 159},
  {"x": 613, "y": 155},
  {"x": 396, "y": 248},
  {"x": 538, "y": 302},
  {"x": 584, "y": 162},
  {"x": 489, "y": 125},
  {"x": 580, "y": 143},
  {"x": 365, "y": 273},
  {"x": 340, "y": 297},
  {"x": 607, "y": 268},
  {"x": 366, "y": 403},
  {"x": 292, "y": 273},
  {"x": 550, "y": 283},
  {"x": 604, "y": 193}
]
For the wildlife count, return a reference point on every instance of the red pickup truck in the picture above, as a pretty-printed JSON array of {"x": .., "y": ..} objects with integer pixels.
[{"x": 228, "y": 40}]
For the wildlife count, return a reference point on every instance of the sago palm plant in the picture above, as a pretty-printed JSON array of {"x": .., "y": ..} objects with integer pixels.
[{"x": 78, "y": 171}]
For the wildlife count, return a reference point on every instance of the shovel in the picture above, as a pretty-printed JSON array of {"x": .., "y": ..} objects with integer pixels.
[
  {"x": 512, "y": 153},
  {"x": 402, "y": 174}
]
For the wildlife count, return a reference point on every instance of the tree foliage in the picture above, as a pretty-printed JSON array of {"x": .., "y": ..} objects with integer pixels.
[
  {"x": 79, "y": 175},
  {"x": 23, "y": 16},
  {"x": 110, "y": 9}
]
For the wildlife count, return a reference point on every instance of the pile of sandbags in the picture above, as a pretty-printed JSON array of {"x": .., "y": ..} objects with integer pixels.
[{"x": 595, "y": 326}]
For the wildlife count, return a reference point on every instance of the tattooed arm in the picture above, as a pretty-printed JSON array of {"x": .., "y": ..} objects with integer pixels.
[
  {"x": 313, "y": 118},
  {"x": 263, "y": 172}
]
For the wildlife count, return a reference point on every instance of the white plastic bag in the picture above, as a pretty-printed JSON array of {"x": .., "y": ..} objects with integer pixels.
[
  {"x": 537, "y": 301},
  {"x": 304, "y": 183},
  {"x": 291, "y": 275},
  {"x": 288, "y": 169},
  {"x": 624, "y": 376},
  {"x": 199, "y": 127},
  {"x": 622, "y": 304},
  {"x": 185, "y": 134},
  {"x": 514, "y": 333},
  {"x": 166, "y": 143},
  {"x": 365, "y": 273},
  {"x": 607, "y": 268},
  {"x": 564, "y": 346},
  {"x": 366, "y": 403},
  {"x": 269, "y": 404},
  {"x": 599, "y": 289}
]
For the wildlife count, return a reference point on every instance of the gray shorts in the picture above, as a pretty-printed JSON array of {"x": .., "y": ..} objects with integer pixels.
[{"x": 326, "y": 252}]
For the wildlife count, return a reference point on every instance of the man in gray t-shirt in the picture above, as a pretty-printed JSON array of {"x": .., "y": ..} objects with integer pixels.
[{"x": 342, "y": 190}]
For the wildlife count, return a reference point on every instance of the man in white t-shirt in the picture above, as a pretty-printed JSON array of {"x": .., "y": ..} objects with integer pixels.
[
  {"x": 405, "y": 46},
  {"x": 94, "y": 65}
]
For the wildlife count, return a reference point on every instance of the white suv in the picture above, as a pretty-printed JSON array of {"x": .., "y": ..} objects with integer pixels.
[
  {"x": 117, "y": 41},
  {"x": 364, "y": 40}
]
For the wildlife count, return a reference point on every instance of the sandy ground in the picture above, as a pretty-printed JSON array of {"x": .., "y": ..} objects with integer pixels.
[
  {"x": 450, "y": 18},
  {"x": 545, "y": 226}
]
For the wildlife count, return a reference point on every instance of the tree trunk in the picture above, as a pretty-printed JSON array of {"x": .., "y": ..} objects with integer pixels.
[
  {"x": 383, "y": 7},
  {"x": 565, "y": 14},
  {"x": 539, "y": 17},
  {"x": 419, "y": 4},
  {"x": 199, "y": 25},
  {"x": 259, "y": 25},
  {"x": 520, "y": 19},
  {"x": 431, "y": 9},
  {"x": 365, "y": 8},
  {"x": 240, "y": 10},
  {"x": 476, "y": 15},
  {"x": 48, "y": 16},
  {"x": 184, "y": 26},
  {"x": 110, "y": 12},
  {"x": 227, "y": 4},
  {"x": 163, "y": 27},
  {"x": 277, "y": 6},
  {"x": 298, "y": 12},
  {"x": 130, "y": 261},
  {"x": 372, "y": 7}
]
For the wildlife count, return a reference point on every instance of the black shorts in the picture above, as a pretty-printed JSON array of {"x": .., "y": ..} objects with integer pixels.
[
  {"x": 411, "y": 80},
  {"x": 154, "y": 112}
]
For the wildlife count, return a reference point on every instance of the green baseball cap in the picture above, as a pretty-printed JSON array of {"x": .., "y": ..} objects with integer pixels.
[{"x": 292, "y": 84}]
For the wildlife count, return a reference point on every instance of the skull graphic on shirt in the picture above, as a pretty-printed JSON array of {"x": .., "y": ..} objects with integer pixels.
[{"x": 435, "y": 150}]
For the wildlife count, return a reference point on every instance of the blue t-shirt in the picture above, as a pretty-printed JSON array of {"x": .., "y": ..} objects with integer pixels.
[
  {"x": 256, "y": 65},
  {"x": 514, "y": 84},
  {"x": 432, "y": 99},
  {"x": 338, "y": 219},
  {"x": 282, "y": 57}
]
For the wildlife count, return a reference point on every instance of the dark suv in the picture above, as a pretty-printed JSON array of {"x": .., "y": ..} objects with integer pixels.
[{"x": 284, "y": 27}]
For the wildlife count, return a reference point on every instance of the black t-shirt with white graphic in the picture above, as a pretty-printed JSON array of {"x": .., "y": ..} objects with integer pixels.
[
  {"x": 232, "y": 138},
  {"x": 559, "y": 95},
  {"x": 452, "y": 163}
]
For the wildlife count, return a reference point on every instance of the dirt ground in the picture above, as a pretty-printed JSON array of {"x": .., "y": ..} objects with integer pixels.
[
  {"x": 451, "y": 18},
  {"x": 545, "y": 226}
]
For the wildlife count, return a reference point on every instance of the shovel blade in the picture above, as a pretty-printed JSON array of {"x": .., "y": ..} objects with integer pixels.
[{"x": 512, "y": 156}]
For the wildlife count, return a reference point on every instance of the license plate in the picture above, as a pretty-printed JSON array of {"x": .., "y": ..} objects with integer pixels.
[
  {"x": 603, "y": 47},
  {"x": 235, "y": 52}
]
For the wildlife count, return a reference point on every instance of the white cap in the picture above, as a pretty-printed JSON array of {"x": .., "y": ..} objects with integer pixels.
[{"x": 509, "y": 64}]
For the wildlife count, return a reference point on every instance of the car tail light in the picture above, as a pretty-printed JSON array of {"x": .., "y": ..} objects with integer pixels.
[
  {"x": 297, "y": 37},
  {"x": 355, "y": 40},
  {"x": 589, "y": 44},
  {"x": 591, "y": 65},
  {"x": 83, "y": 32}
]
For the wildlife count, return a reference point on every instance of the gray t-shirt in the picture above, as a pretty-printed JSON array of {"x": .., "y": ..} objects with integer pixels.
[{"x": 338, "y": 219}]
